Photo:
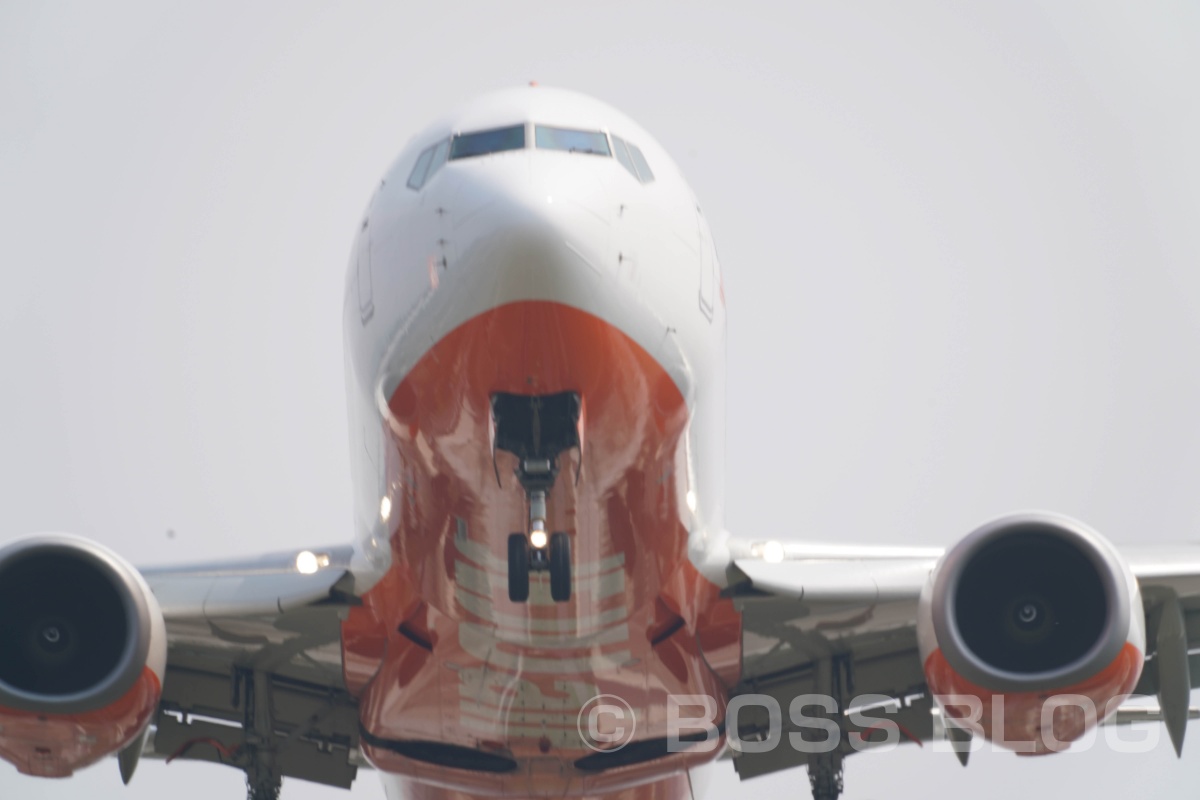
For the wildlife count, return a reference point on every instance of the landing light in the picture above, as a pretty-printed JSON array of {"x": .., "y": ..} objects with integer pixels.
[
  {"x": 538, "y": 539},
  {"x": 385, "y": 508},
  {"x": 307, "y": 562},
  {"x": 772, "y": 552}
]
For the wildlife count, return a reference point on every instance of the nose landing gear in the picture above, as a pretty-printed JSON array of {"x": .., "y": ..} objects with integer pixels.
[
  {"x": 525, "y": 557},
  {"x": 537, "y": 430}
]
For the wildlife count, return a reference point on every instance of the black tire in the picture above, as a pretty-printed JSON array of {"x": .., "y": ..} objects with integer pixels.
[
  {"x": 518, "y": 568},
  {"x": 265, "y": 789},
  {"x": 560, "y": 567}
]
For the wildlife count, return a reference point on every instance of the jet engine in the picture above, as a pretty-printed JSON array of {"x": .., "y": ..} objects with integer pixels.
[
  {"x": 83, "y": 650},
  {"x": 1031, "y": 631}
]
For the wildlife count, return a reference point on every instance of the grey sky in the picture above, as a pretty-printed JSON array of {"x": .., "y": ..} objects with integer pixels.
[{"x": 959, "y": 247}]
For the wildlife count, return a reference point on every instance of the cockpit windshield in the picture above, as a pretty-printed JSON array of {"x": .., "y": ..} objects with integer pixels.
[
  {"x": 513, "y": 137},
  {"x": 481, "y": 143},
  {"x": 574, "y": 141}
]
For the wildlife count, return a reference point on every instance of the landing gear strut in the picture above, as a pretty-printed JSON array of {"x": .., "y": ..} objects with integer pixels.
[
  {"x": 263, "y": 777},
  {"x": 825, "y": 769},
  {"x": 537, "y": 430}
]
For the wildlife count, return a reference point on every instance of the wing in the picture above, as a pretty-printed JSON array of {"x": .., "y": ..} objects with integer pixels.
[
  {"x": 842, "y": 621},
  {"x": 238, "y": 662},
  {"x": 254, "y": 662},
  {"x": 827, "y": 620}
]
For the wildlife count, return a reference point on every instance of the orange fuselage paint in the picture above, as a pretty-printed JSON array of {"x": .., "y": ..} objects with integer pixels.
[
  {"x": 438, "y": 653},
  {"x": 670, "y": 787},
  {"x": 1016, "y": 719},
  {"x": 55, "y": 745}
]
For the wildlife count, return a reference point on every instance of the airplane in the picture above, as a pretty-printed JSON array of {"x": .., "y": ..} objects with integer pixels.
[{"x": 540, "y": 597}]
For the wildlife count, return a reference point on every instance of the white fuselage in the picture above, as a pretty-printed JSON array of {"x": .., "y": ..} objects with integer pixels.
[{"x": 533, "y": 270}]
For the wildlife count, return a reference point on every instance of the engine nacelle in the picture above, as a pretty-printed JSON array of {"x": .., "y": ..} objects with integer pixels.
[
  {"x": 83, "y": 651},
  {"x": 1031, "y": 631}
]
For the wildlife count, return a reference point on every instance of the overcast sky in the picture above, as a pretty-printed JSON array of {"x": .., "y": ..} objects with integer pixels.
[{"x": 959, "y": 243}]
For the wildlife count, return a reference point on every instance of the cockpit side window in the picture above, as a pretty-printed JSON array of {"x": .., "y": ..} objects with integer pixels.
[
  {"x": 428, "y": 163},
  {"x": 481, "y": 143},
  {"x": 593, "y": 143},
  {"x": 622, "y": 154},
  {"x": 416, "y": 178},
  {"x": 643, "y": 169},
  {"x": 631, "y": 158},
  {"x": 440, "y": 153}
]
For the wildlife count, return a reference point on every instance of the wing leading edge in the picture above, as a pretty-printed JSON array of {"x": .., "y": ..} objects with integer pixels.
[
  {"x": 842, "y": 621},
  {"x": 254, "y": 666}
]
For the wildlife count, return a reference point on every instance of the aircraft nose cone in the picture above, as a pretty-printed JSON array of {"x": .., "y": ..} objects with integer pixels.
[{"x": 540, "y": 229}]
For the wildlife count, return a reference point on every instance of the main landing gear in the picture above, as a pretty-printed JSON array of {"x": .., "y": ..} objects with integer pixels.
[
  {"x": 825, "y": 776},
  {"x": 537, "y": 430}
]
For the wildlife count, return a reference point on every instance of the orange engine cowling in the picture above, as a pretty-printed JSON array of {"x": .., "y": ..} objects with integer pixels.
[
  {"x": 83, "y": 649},
  {"x": 1031, "y": 631}
]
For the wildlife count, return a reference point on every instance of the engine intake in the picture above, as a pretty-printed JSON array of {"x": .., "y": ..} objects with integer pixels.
[
  {"x": 1026, "y": 608},
  {"x": 1032, "y": 601},
  {"x": 75, "y": 626},
  {"x": 82, "y": 653}
]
